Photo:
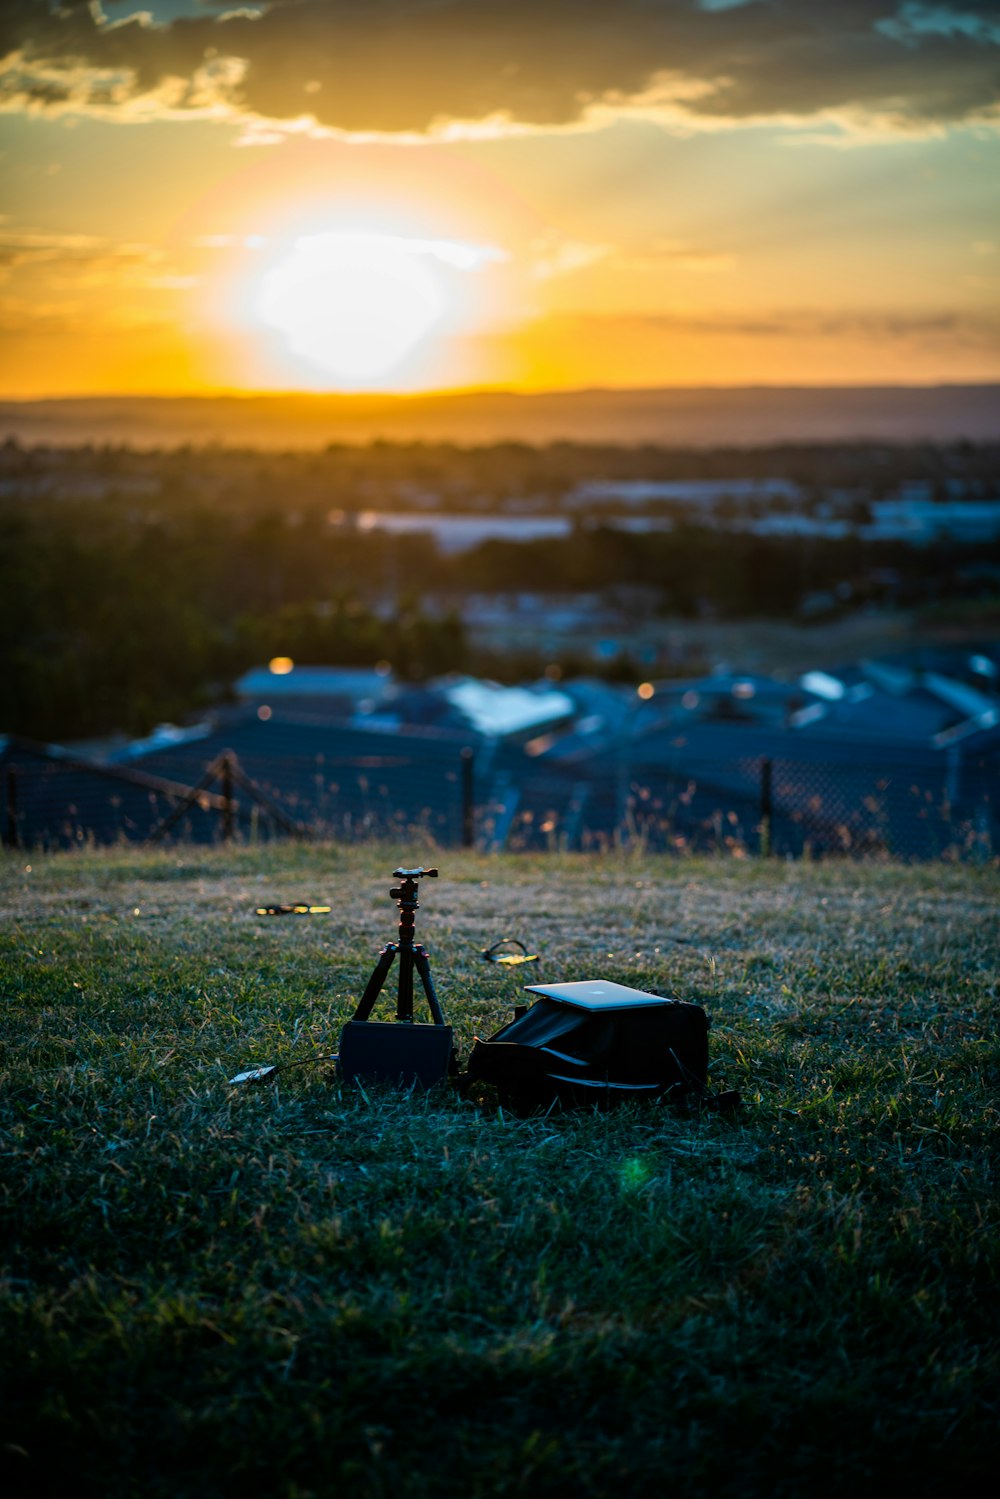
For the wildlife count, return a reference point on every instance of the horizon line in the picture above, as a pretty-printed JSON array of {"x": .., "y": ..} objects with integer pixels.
[{"x": 510, "y": 392}]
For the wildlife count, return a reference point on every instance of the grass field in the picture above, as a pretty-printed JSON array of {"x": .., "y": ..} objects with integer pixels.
[{"x": 294, "y": 1290}]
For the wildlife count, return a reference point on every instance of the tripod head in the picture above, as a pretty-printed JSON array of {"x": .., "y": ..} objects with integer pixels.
[{"x": 405, "y": 895}]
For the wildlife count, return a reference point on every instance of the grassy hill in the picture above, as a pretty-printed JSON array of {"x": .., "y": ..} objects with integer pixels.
[{"x": 209, "y": 1290}]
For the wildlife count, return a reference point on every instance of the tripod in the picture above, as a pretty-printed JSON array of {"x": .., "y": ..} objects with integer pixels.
[
  {"x": 400, "y": 1052},
  {"x": 411, "y": 956}
]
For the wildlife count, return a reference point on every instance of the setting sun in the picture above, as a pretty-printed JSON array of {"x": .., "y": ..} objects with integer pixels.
[{"x": 355, "y": 305}]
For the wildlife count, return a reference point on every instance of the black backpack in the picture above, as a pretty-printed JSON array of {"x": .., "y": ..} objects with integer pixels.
[{"x": 595, "y": 1043}]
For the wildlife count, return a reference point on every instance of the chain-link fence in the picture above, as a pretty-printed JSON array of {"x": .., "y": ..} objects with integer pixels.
[
  {"x": 908, "y": 807},
  {"x": 911, "y": 807},
  {"x": 58, "y": 802}
]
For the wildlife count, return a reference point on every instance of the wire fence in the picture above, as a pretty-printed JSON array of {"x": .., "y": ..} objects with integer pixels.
[
  {"x": 908, "y": 808},
  {"x": 795, "y": 808},
  {"x": 58, "y": 802},
  {"x": 920, "y": 807}
]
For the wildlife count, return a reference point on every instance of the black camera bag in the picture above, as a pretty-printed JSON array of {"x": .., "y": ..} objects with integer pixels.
[{"x": 594, "y": 1044}]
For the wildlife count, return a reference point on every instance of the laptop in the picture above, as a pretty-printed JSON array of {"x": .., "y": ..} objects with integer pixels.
[{"x": 598, "y": 994}]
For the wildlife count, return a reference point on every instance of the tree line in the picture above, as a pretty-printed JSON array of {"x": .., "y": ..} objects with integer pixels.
[{"x": 117, "y": 614}]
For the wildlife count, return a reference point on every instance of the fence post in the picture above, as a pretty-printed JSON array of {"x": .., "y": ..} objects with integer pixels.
[
  {"x": 766, "y": 808},
  {"x": 468, "y": 799},
  {"x": 228, "y": 808},
  {"x": 11, "y": 832},
  {"x": 953, "y": 774}
]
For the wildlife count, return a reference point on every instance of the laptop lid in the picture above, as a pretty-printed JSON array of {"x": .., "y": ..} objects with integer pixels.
[{"x": 598, "y": 994}]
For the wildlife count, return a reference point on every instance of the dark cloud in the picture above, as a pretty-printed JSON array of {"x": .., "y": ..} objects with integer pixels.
[
  {"x": 802, "y": 325},
  {"x": 405, "y": 65}
]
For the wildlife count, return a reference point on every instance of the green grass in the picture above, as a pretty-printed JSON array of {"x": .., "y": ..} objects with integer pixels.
[{"x": 208, "y": 1291}]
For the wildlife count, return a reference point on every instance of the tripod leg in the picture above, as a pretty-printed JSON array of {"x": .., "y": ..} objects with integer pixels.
[
  {"x": 404, "y": 1002},
  {"x": 374, "y": 986},
  {"x": 424, "y": 969}
]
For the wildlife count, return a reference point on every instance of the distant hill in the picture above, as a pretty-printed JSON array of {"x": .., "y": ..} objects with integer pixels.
[{"x": 689, "y": 417}]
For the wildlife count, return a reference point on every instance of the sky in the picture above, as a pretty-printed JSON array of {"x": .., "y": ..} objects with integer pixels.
[{"x": 404, "y": 195}]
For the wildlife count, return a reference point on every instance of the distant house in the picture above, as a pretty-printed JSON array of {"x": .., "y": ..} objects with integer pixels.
[
  {"x": 335, "y": 690},
  {"x": 499, "y": 712},
  {"x": 698, "y": 494},
  {"x": 921, "y": 520}
]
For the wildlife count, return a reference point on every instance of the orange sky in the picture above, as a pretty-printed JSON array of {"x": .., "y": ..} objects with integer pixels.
[{"x": 412, "y": 195}]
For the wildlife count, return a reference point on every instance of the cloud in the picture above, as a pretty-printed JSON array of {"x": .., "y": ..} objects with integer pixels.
[
  {"x": 555, "y": 257},
  {"x": 565, "y": 256},
  {"x": 667, "y": 255},
  {"x": 30, "y": 246},
  {"x": 74, "y": 317},
  {"x": 79, "y": 262},
  {"x": 413, "y": 67},
  {"x": 897, "y": 327},
  {"x": 27, "y": 246}
]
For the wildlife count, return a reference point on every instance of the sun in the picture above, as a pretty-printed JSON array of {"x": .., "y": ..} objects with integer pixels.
[{"x": 355, "y": 305}]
